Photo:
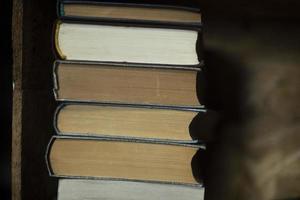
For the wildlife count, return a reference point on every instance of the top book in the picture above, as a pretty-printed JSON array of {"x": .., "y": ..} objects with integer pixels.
[{"x": 95, "y": 10}]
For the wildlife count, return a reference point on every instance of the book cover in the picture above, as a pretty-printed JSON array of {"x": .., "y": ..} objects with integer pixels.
[
  {"x": 127, "y": 83},
  {"x": 129, "y": 12},
  {"x": 121, "y": 159}
]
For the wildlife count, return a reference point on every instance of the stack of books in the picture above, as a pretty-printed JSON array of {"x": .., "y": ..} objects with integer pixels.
[{"x": 127, "y": 83}]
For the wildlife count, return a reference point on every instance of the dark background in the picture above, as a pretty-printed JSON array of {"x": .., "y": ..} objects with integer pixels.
[
  {"x": 6, "y": 95},
  {"x": 251, "y": 54}
]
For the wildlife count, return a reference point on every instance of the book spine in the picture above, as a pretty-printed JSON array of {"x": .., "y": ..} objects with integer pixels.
[
  {"x": 197, "y": 67},
  {"x": 55, "y": 79},
  {"x": 199, "y": 185},
  {"x": 56, "y": 40},
  {"x": 47, "y": 158}
]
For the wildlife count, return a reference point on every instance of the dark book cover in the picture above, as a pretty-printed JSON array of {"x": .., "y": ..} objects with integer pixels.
[{"x": 62, "y": 3}]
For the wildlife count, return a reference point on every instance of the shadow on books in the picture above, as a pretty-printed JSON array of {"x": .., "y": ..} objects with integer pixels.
[
  {"x": 203, "y": 126},
  {"x": 223, "y": 90},
  {"x": 198, "y": 165},
  {"x": 219, "y": 88}
]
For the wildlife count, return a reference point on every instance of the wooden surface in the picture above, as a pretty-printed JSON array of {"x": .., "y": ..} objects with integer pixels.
[
  {"x": 33, "y": 103},
  {"x": 17, "y": 100}
]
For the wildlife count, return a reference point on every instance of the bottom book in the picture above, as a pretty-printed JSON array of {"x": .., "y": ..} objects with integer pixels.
[
  {"x": 88, "y": 189},
  {"x": 109, "y": 158}
]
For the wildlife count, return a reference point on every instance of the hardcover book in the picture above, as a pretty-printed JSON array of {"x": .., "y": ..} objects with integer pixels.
[
  {"x": 125, "y": 12},
  {"x": 79, "y": 189},
  {"x": 138, "y": 122},
  {"x": 131, "y": 84},
  {"x": 88, "y": 157},
  {"x": 134, "y": 43},
  {"x": 127, "y": 84}
]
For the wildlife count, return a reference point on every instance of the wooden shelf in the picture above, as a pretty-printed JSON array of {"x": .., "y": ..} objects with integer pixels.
[{"x": 33, "y": 102}]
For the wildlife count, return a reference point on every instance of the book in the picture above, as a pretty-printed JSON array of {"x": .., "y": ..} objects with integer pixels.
[
  {"x": 117, "y": 42},
  {"x": 139, "y": 122},
  {"x": 126, "y": 83},
  {"x": 123, "y": 159},
  {"x": 78, "y": 189},
  {"x": 126, "y": 12},
  {"x": 129, "y": 77}
]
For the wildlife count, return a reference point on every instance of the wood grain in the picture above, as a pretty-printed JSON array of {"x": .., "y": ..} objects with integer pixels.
[
  {"x": 17, "y": 21},
  {"x": 33, "y": 103}
]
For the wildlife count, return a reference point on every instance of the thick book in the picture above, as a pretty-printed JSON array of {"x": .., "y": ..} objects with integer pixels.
[
  {"x": 124, "y": 121},
  {"x": 126, "y": 83},
  {"x": 88, "y": 157},
  {"x": 79, "y": 189},
  {"x": 126, "y": 12},
  {"x": 134, "y": 43}
]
